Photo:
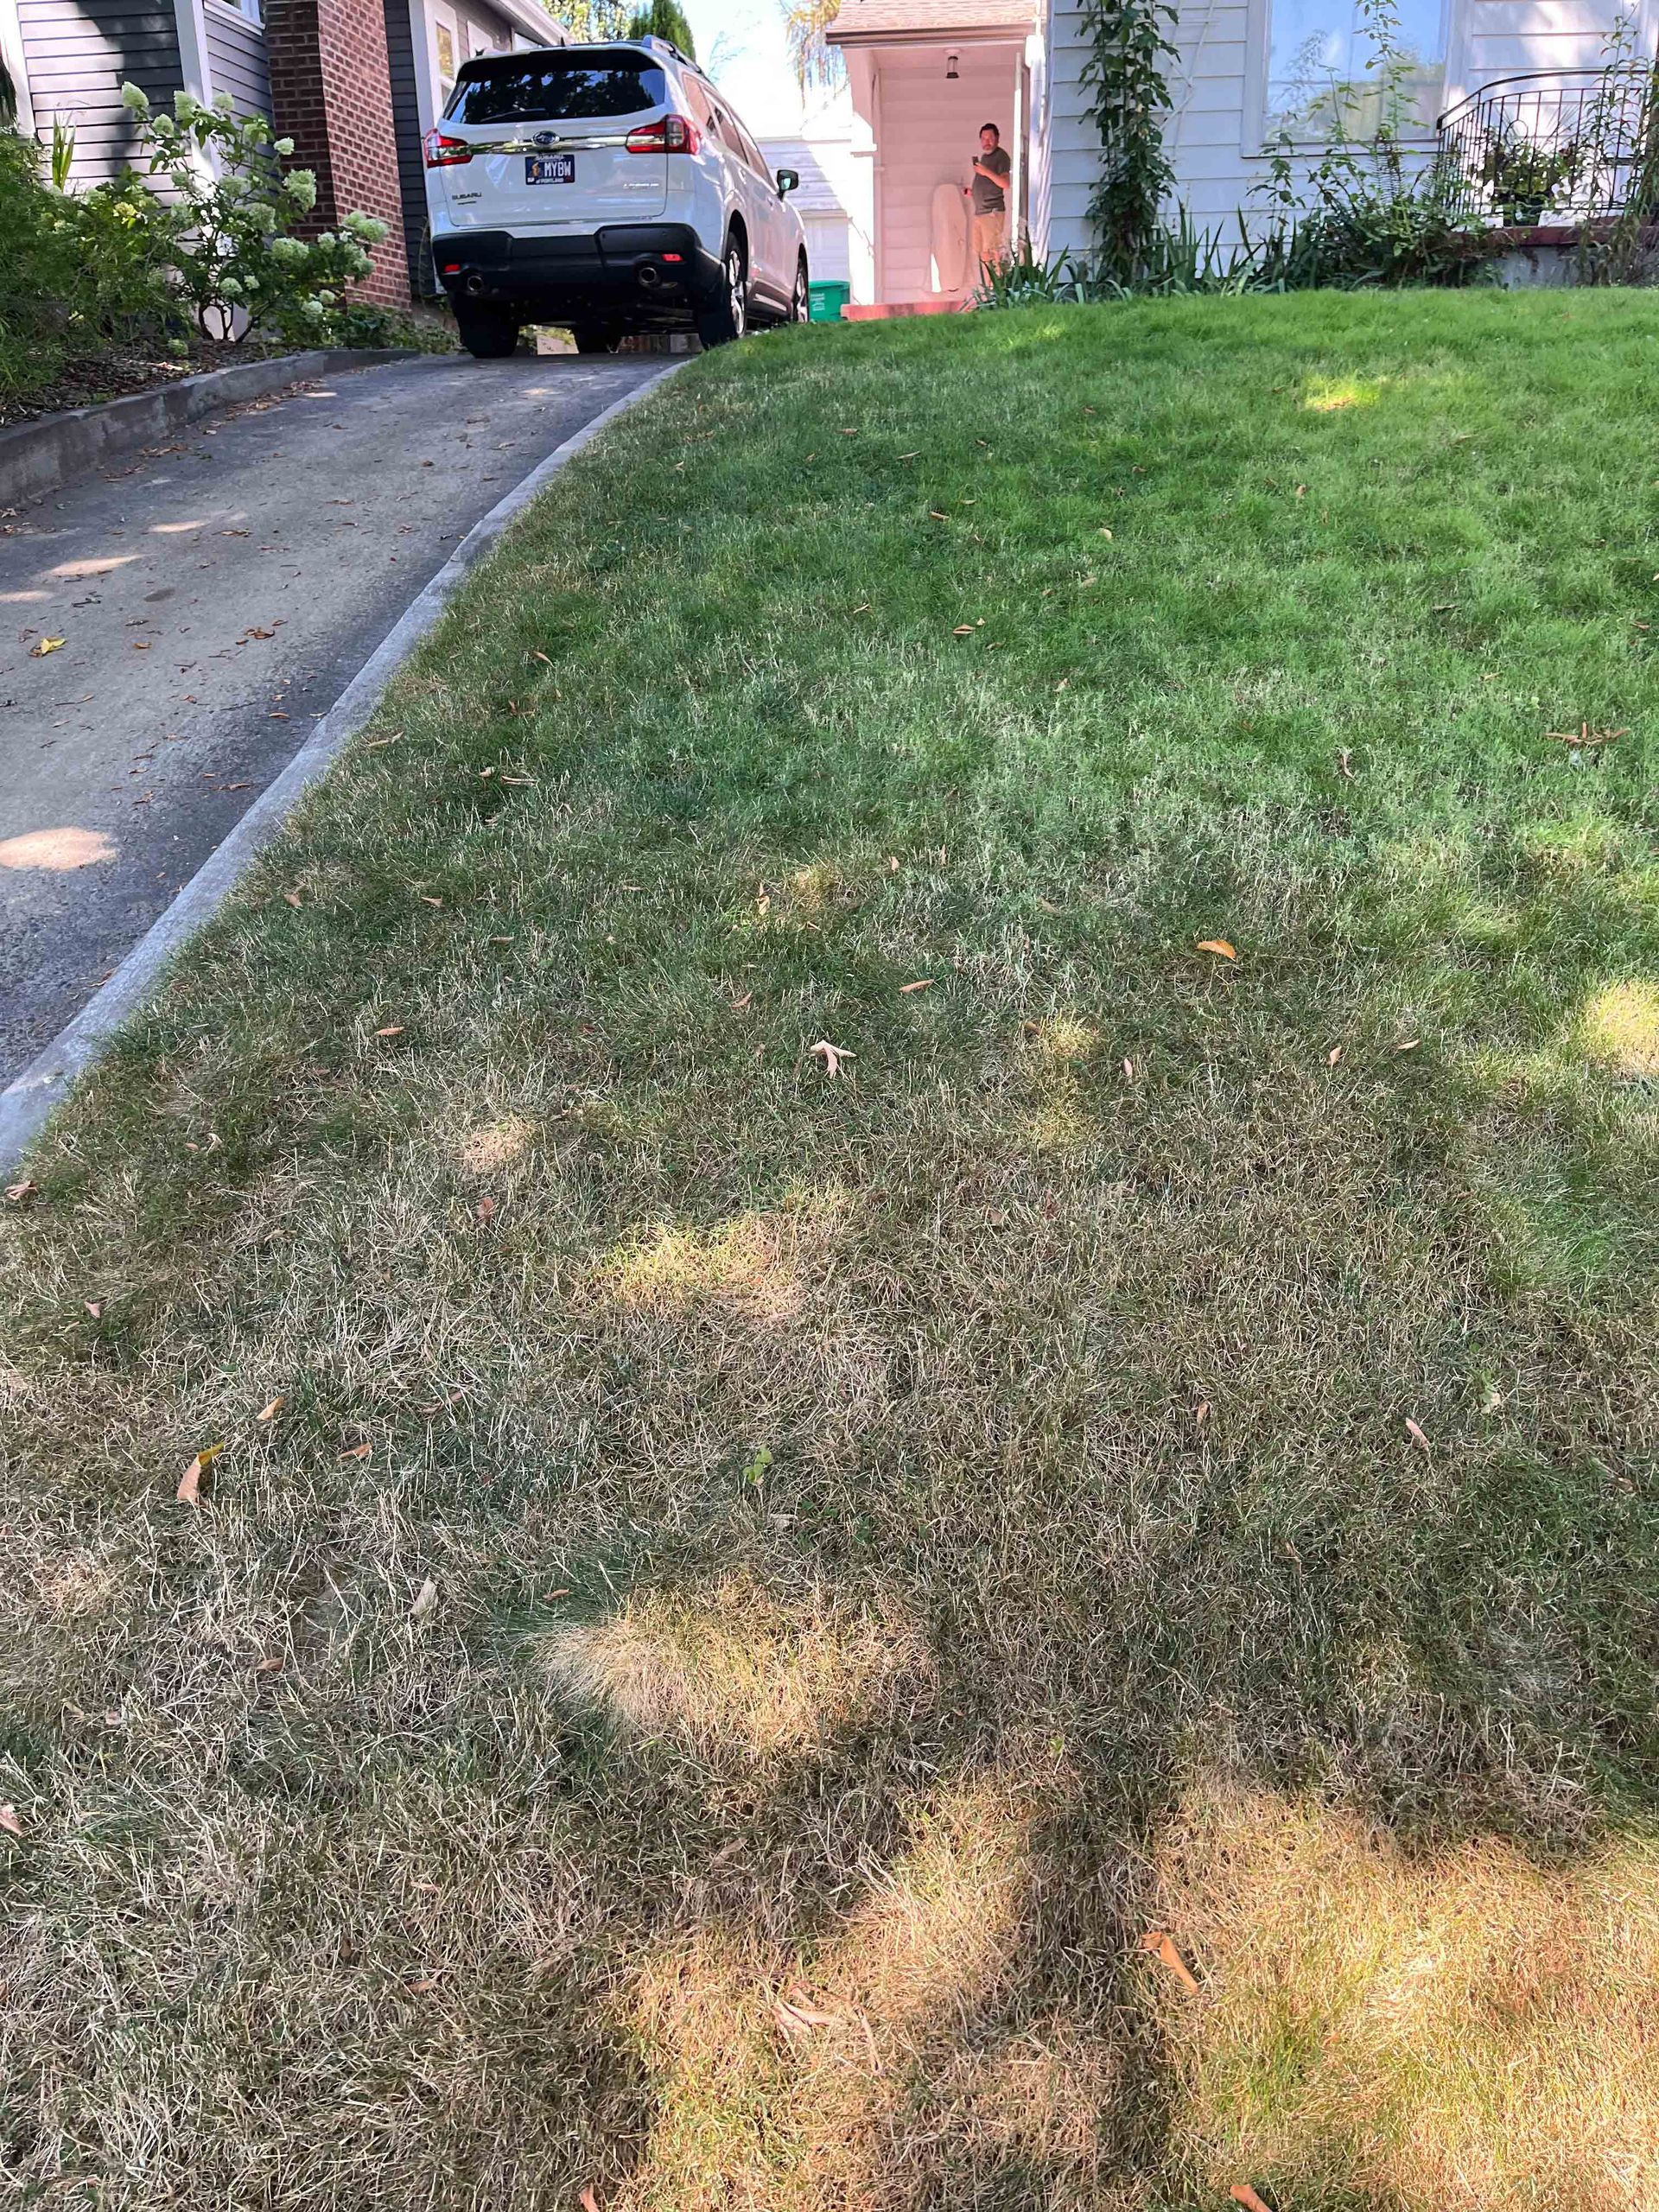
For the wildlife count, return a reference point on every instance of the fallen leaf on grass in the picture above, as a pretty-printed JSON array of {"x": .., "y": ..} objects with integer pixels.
[
  {"x": 18, "y": 1193},
  {"x": 484, "y": 1210},
  {"x": 271, "y": 1666},
  {"x": 357, "y": 1450},
  {"x": 426, "y": 1600},
  {"x": 922, "y": 983},
  {"x": 426, "y": 900},
  {"x": 189, "y": 1489},
  {"x": 1161, "y": 1946},
  {"x": 375, "y": 743},
  {"x": 937, "y": 516},
  {"x": 46, "y": 645},
  {"x": 1343, "y": 765},
  {"x": 1333, "y": 1056},
  {"x": 270, "y": 1412},
  {"x": 421, "y": 1988},
  {"x": 292, "y": 898},
  {"x": 1218, "y": 945},
  {"x": 1241, "y": 2193},
  {"x": 1416, "y": 1434},
  {"x": 831, "y": 1055},
  {"x": 963, "y": 630},
  {"x": 95, "y": 1307},
  {"x": 737, "y": 1004},
  {"x": 1128, "y": 1070},
  {"x": 10, "y": 1821},
  {"x": 1201, "y": 1412},
  {"x": 392, "y": 1029},
  {"x": 1410, "y": 1044},
  {"x": 587, "y": 2200}
]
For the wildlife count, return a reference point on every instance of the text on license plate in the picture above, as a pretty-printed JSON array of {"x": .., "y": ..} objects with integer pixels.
[{"x": 549, "y": 168}]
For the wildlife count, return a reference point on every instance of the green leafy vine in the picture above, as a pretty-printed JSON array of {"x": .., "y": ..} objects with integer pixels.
[{"x": 1128, "y": 52}]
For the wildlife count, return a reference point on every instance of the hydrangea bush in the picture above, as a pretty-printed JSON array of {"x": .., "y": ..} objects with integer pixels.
[{"x": 223, "y": 226}]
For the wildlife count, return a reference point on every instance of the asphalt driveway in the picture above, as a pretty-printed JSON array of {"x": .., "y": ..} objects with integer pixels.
[{"x": 214, "y": 597}]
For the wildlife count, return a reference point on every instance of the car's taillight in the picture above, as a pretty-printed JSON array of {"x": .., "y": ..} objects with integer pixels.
[
  {"x": 674, "y": 134},
  {"x": 443, "y": 153}
]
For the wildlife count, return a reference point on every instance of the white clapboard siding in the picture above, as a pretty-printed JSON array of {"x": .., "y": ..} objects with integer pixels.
[{"x": 1211, "y": 135}]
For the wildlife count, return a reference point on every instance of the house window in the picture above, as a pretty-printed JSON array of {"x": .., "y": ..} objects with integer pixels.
[
  {"x": 1328, "y": 69},
  {"x": 443, "y": 48}
]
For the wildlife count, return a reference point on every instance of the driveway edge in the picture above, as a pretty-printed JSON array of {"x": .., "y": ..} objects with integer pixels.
[
  {"x": 27, "y": 1102},
  {"x": 38, "y": 457}
]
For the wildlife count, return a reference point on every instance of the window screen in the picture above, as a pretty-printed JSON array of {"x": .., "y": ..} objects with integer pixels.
[{"x": 557, "y": 88}]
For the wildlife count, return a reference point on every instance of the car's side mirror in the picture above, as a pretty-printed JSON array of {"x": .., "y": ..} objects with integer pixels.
[{"x": 788, "y": 180}]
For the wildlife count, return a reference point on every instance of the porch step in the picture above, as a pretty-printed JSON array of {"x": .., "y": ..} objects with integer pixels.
[{"x": 886, "y": 310}]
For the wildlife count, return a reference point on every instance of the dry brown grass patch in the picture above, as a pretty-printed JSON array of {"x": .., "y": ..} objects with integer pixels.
[{"x": 1463, "y": 2031}]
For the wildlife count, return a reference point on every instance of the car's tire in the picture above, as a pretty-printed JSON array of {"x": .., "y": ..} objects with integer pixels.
[
  {"x": 595, "y": 338},
  {"x": 726, "y": 320},
  {"x": 489, "y": 333},
  {"x": 800, "y": 299}
]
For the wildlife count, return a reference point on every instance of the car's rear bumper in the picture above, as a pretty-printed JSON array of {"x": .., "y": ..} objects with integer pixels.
[{"x": 644, "y": 270}]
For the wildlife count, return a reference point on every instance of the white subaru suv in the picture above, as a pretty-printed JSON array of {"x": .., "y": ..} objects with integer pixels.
[{"x": 609, "y": 187}]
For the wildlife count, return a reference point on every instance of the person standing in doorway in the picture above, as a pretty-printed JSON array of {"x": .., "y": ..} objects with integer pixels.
[{"x": 991, "y": 169}]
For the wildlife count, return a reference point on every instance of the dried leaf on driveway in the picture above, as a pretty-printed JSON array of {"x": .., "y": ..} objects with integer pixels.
[
  {"x": 189, "y": 1490},
  {"x": 46, "y": 645},
  {"x": 1218, "y": 945}
]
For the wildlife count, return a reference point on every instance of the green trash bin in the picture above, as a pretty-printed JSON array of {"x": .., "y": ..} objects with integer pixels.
[{"x": 829, "y": 296}]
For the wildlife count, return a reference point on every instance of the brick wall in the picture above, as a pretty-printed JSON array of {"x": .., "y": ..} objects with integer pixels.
[{"x": 331, "y": 92}]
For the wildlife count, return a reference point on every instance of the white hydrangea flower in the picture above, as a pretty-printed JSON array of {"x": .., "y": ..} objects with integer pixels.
[
  {"x": 136, "y": 101},
  {"x": 284, "y": 147}
]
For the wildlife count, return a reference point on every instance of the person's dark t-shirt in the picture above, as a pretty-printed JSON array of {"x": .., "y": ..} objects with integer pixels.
[{"x": 989, "y": 199}]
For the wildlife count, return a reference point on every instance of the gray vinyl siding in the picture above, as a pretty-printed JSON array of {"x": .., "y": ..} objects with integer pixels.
[
  {"x": 411, "y": 167},
  {"x": 78, "y": 54},
  {"x": 236, "y": 61}
]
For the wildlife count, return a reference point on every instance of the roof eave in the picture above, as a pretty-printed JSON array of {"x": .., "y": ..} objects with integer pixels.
[{"x": 973, "y": 34}]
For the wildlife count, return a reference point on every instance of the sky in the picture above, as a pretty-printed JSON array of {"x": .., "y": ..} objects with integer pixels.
[{"x": 740, "y": 44}]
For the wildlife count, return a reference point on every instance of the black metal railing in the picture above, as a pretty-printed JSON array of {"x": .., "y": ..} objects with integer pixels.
[{"x": 1556, "y": 146}]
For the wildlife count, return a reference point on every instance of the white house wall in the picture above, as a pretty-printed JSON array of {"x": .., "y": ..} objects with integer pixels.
[{"x": 1215, "y": 130}]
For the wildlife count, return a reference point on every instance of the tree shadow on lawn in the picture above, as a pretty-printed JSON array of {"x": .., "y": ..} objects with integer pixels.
[{"x": 989, "y": 1528}]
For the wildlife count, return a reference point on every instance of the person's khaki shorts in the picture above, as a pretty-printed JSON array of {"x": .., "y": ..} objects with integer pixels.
[{"x": 991, "y": 239}]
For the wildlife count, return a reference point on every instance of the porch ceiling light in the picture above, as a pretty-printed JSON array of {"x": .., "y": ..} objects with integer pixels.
[{"x": 952, "y": 72}]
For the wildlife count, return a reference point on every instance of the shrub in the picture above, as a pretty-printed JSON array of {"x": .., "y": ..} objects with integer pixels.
[{"x": 230, "y": 218}]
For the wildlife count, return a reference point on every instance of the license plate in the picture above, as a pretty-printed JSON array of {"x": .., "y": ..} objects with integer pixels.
[{"x": 549, "y": 168}]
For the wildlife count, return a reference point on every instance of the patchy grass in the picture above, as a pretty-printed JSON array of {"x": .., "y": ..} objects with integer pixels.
[{"x": 894, "y": 1536}]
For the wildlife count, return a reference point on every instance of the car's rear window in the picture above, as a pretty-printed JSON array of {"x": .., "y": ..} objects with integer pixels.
[{"x": 557, "y": 88}]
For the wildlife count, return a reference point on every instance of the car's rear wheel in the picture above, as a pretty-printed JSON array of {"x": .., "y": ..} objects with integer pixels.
[
  {"x": 595, "y": 337},
  {"x": 727, "y": 318},
  {"x": 800, "y": 299},
  {"x": 489, "y": 333}
]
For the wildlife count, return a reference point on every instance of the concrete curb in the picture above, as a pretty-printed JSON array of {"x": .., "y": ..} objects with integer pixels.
[
  {"x": 37, "y": 457},
  {"x": 27, "y": 1102}
]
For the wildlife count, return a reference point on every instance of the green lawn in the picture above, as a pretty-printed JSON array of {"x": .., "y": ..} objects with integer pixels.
[{"x": 763, "y": 1585}]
